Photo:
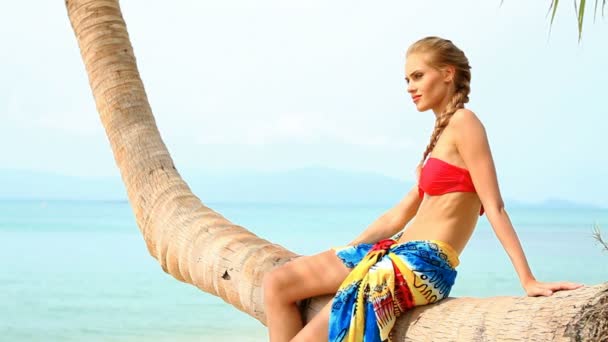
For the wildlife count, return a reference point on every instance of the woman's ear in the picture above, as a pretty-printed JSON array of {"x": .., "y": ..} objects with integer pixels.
[{"x": 449, "y": 72}]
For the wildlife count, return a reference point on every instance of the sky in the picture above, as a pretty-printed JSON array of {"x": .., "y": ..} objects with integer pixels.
[{"x": 239, "y": 86}]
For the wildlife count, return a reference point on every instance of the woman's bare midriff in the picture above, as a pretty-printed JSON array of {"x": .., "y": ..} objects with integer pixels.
[{"x": 450, "y": 218}]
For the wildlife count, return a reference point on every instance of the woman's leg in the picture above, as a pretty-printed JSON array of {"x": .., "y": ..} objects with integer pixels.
[
  {"x": 318, "y": 328},
  {"x": 301, "y": 278}
]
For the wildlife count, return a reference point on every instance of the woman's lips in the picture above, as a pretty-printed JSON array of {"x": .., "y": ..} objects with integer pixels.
[{"x": 416, "y": 98}]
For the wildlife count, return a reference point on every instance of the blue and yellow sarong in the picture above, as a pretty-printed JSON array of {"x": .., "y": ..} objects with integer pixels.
[{"x": 387, "y": 279}]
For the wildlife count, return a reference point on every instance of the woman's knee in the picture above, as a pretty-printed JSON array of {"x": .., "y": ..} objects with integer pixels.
[
  {"x": 304, "y": 277},
  {"x": 273, "y": 283}
]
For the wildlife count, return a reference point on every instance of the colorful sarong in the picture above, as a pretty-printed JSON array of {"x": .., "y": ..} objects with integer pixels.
[{"x": 387, "y": 279}]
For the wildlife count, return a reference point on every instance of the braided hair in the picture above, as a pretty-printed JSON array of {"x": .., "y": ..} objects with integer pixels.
[{"x": 442, "y": 52}]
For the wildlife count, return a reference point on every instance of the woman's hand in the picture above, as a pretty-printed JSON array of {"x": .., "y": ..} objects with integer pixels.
[{"x": 536, "y": 288}]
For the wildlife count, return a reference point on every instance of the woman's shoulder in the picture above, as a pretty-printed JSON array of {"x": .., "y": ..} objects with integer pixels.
[
  {"x": 464, "y": 118},
  {"x": 464, "y": 124},
  {"x": 464, "y": 114}
]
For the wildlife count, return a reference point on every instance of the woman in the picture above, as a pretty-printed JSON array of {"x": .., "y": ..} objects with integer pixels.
[{"x": 455, "y": 186}]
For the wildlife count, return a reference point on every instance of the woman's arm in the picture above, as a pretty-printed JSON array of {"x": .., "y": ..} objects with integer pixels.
[
  {"x": 473, "y": 146},
  {"x": 392, "y": 221}
]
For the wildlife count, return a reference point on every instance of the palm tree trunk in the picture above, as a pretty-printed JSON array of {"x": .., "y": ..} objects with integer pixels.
[
  {"x": 192, "y": 242},
  {"x": 199, "y": 246},
  {"x": 579, "y": 315}
]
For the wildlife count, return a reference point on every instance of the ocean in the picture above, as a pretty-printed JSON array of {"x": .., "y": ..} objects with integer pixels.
[{"x": 80, "y": 271}]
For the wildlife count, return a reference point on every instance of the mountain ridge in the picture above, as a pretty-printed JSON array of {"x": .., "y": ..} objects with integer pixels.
[{"x": 318, "y": 185}]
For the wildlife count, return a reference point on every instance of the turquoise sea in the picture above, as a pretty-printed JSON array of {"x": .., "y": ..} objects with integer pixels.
[{"x": 80, "y": 271}]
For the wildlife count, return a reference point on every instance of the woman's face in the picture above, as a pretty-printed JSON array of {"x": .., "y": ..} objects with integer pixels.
[{"x": 428, "y": 87}]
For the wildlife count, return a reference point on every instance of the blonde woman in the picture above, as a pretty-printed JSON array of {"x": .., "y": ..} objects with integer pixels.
[{"x": 387, "y": 270}]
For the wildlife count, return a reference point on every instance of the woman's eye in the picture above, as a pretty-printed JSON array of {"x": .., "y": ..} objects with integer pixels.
[{"x": 414, "y": 77}]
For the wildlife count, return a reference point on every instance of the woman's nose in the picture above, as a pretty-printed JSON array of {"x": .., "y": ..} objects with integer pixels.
[{"x": 410, "y": 88}]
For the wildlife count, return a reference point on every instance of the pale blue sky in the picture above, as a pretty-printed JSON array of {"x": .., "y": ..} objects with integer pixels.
[{"x": 275, "y": 85}]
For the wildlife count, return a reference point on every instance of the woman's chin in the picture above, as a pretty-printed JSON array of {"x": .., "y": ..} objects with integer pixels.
[{"x": 421, "y": 108}]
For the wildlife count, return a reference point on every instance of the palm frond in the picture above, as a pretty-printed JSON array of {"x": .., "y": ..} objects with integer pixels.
[
  {"x": 554, "y": 7},
  {"x": 580, "y": 15},
  {"x": 579, "y": 9},
  {"x": 598, "y": 236}
]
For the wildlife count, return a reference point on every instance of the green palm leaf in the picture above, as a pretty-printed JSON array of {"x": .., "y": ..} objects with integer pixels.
[
  {"x": 579, "y": 9},
  {"x": 581, "y": 14},
  {"x": 554, "y": 6}
]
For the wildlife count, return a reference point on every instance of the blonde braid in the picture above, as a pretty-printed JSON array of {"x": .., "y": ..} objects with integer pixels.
[
  {"x": 457, "y": 102},
  {"x": 443, "y": 52}
]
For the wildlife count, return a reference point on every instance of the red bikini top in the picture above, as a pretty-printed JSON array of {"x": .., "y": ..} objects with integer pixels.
[{"x": 439, "y": 177}]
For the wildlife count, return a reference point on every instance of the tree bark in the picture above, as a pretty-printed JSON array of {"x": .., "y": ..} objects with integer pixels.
[
  {"x": 579, "y": 315},
  {"x": 199, "y": 246}
]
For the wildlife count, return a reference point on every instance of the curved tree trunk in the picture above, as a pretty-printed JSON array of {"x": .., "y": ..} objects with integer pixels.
[
  {"x": 579, "y": 315},
  {"x": 199, "y": 246}
]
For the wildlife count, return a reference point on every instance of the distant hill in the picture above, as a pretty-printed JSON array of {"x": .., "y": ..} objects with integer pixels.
[
  {"x": 305, "y": 185},
  {"x": 312, "y": 185},
  {"x": 564, "y": 204}
]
